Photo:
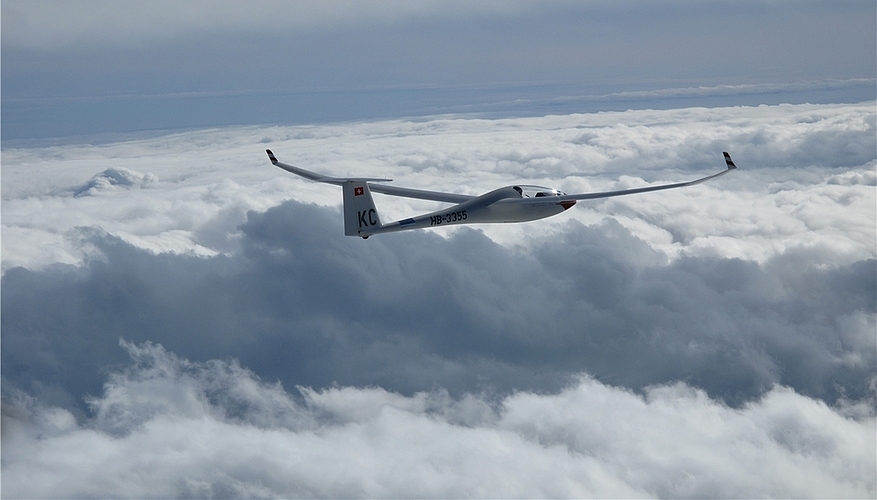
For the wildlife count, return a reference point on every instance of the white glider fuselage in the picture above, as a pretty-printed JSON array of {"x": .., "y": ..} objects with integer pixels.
[
  {"x": 493, "y": 207},
  {"x": 520, "y": 203}
]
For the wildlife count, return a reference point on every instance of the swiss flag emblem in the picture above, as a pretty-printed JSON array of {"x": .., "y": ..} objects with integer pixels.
[{"x": 358, "y": 191}]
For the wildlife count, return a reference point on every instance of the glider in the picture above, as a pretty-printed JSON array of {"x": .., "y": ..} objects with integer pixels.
[{"x": 518, "y": 203}]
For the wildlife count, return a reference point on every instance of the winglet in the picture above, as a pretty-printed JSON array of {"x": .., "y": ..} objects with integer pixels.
[
  {"x": 274, "y": 158},
  {"x": 728, "y": 160}
]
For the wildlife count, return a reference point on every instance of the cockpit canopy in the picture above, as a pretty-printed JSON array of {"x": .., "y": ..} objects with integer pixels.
[{"x": 536, "y": 191}]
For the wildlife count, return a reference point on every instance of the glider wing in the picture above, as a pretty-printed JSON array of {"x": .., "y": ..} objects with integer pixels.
[{"x": 421, "y": 194}]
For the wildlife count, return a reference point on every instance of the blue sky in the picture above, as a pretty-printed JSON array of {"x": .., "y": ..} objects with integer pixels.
[
  {"x": 180, "y": 318},
  {"x": 74, "y": 68}
]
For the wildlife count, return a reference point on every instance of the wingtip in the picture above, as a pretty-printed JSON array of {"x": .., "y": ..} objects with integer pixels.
[
  {"x": 728, "y": 161},
  {"x": 271, "y": 156}
]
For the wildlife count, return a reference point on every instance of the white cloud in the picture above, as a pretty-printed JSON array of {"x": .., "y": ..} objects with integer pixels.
[
  {"x": 166, "y": 426},
  {"x": 806, "y": 179},
  {"x": 755, "y": 289},
  {"x": 115, "y": 177}
]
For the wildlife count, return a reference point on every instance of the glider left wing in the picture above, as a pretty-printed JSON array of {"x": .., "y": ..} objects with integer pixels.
[{"x": 420, "y": 194}]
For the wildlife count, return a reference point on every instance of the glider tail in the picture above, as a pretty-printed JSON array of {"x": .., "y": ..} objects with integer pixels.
[{"x": 360, "y": 215}]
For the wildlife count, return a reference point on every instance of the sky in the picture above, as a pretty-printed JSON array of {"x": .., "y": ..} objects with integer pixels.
[
  {"x": 182, "y": 319},
  {"x": 103, "y": 67}
]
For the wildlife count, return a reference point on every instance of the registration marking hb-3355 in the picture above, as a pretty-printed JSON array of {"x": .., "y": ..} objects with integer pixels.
[
  {"x": 458, "y": 216},
  {"x": 517, "y": 203}
]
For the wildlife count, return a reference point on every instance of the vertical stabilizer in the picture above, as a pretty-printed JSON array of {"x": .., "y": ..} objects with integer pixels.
[{"x": 360, "y": 215}]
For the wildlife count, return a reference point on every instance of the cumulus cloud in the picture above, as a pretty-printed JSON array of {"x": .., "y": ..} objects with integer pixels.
[
  {"x": 303, "y": 305},
  {"x": 739, "y": 311},
  {"x": 167, "y": 427},
  {"x": 806, "y": 178},
  {"x": 113, "y": 177}
]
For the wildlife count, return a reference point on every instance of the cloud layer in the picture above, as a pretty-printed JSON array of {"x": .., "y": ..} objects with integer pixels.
[
  {"x": 304, "y": 307},
  {"x": 716, "y": 340},
  {"x": 167, "y": 427}
]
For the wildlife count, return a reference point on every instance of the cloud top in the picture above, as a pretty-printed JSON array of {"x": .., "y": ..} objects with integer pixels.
[
  {"x": 165, "y": 426},
  {"x": 111, "y": 177}
]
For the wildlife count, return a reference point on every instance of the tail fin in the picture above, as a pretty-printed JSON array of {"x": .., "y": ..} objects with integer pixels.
[{"x": 360, "y": 215}]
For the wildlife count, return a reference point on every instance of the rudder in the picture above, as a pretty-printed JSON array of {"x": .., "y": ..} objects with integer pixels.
[{"x": 360, "y": 214}]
